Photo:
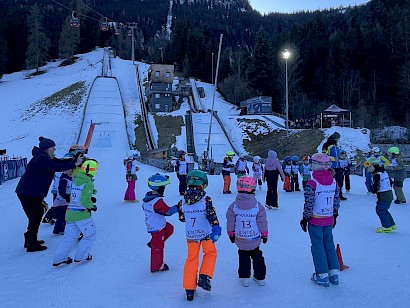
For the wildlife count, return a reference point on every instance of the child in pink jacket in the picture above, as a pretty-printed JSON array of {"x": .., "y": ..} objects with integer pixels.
[{"x": 247, "y": 226}]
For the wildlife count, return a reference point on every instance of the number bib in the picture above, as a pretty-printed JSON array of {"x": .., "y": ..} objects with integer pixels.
[
  {"x": 183, "y": 167},
  {"x": 245, "y": 223},
  {"x": 384, "y": 182},
  {"x": 75, "y": 198},
  {"x": 153, "y": 221},
  {"x": 324, "y": 196},
  {"x": 197, "y": 227}
]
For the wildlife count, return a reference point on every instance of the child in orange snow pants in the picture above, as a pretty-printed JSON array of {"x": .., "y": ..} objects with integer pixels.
[{"x": 192, "y": 261}]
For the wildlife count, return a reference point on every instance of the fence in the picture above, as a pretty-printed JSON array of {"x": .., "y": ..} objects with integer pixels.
[{"x": 12, "y": 168}]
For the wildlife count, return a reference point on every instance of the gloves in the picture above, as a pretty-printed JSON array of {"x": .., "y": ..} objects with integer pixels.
[
  {"x": 79, "y": 159},
  {"x": 303, "y": 224},
  {"x": 334, "y": 218},
  {"x": 231, "y": 235},
  {"x": 264, "y": 237},
  {"x": 45, "y": 206},
  {"x": 93, "y": 199},
  {"x": 216, "y": 233}
]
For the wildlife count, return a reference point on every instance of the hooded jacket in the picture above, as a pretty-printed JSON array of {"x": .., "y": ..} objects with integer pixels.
[
  {"x": 39, "y": 174},
  {"x": 324, "y": 177},
  {"x": 272, "y": 164},
  {"x": 246, "y": 201}
]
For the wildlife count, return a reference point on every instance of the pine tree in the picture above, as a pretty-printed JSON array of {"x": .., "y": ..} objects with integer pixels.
[
  {"x": 38, "y": 42},
  {"x": 69, "y": 40}
]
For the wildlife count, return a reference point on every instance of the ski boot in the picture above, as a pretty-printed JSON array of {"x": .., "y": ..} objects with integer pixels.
[
  {"x": 321, "y": 279},
  {"x": 259, "y": 282},
  {"x": 68, "y": 261},
  {"x": 204, "y": 282},
  {"x": 244, "y": 281},
  {"x": 334, "y": 277},
  {"x": 190, "y": 295}
]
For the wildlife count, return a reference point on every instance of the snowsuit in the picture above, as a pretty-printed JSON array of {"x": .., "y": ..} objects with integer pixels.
[
  {"x": 287, "y": 169},
  {"x": 270, "y": 175},
  {"x": 322, "y": 204},
  {"x": 78, "y": 218},
  {"x": 199, "y": 215},
  {"x": 226, "y": 173},
  {"x": 381, "y": 186},
  {"x": 246, "y": 222},
  {"x": 305, "y": 171},
  {"x": 181, "y": 168},
  {"x": 346, "y": 165},
  {"x": 294, "y": 180},
  {"x": 155, "y": 210},
  {"x": 131, "y": 177},
  {"x": 257, "y": 169},
  {"x": 241, "y": 167},
  {"x": 33, "y": 188},
  {"x": 61, "y": 202},
  {"x": 397, "y": 171}
]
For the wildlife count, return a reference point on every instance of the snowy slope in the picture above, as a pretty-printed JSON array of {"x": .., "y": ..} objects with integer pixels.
[{"x": 119, "y": 275}]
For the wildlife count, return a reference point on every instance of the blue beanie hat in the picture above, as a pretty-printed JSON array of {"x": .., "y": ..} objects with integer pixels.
[{"x": 45, "y": 143}]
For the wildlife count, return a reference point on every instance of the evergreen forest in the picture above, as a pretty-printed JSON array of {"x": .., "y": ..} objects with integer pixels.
[{"x": 356, "y": 57}]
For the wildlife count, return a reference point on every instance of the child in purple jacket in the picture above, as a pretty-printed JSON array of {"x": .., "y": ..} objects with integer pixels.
[
  {"x": 320, "y": 211},
  {"x": 247, "y": 226}
]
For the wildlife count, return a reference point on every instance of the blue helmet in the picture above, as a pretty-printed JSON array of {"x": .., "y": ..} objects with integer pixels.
[
  {"x": 287, "y": 159},
  {"x": 295, "y": 158},
  {"x": 157, "y": 180}
]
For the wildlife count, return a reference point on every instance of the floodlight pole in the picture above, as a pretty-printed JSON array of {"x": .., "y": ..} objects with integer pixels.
[{"x": 213, "y": 98}]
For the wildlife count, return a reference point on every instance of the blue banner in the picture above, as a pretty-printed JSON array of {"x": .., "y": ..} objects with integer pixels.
[{"x": 11, "y": 169}]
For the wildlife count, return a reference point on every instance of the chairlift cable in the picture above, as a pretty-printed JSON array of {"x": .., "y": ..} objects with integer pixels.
[
  {"x": 79, "y": 1},
  {"x": 78, "y": 13}
]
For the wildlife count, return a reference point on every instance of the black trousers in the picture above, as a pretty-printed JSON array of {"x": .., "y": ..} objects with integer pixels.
[
  {"x": 272, "y": 183},
  {"x": 259, "y": 267},
  {"x": 33, "y": 208},
  {"x": 182, "y": 184}
]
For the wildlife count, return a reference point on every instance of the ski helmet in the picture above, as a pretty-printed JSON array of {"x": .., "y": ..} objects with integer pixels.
[
  {"x": 295, "y": 158},
  {"x": 180, "y": 153},
  {"x": 256, "y": 159},
  {"x": 77, "y": 149},
  {"x": 242, "y": 155},
  {"x": 287, "y": 159},
  {"x": 374, "y": 161},
  {"x": 230, "y": 154},
  {"x": 394, "y": 150},
  {"x": 158, "y": 180},
  {"x": 376, "y": 150},
  {"x": 321, "y": 161},
  {"x": 197, "y": 178},
  {"x": 246, "y": 184},
  {"x": 90, "y": 167}
]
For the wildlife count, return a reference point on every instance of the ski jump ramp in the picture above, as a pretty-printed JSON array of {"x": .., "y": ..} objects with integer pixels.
[
  {"x": 105, "y": 109},
  {"x": 219, "y": 144}
]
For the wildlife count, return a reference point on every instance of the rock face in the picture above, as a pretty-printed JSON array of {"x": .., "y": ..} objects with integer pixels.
[{"x": 391, "y": 134}]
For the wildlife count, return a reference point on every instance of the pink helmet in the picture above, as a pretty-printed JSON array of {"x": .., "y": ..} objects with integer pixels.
[
  {"x": 322, "y": 161},
  {"x": 246, "y": 184}
]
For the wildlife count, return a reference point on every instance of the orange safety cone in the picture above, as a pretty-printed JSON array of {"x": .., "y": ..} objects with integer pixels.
[{"x": 340, "y": 259}]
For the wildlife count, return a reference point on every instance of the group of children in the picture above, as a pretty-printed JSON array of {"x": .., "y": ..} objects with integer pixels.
[
  {"x": 247, "y": 224},
  {"x": 247, "y": 227}
]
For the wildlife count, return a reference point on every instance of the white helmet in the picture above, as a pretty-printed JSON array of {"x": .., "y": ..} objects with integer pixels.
[
  {"x": 376, "y": 150},
  {"x": 242, "y": 155},
  {"x": 256, "y": 159}
]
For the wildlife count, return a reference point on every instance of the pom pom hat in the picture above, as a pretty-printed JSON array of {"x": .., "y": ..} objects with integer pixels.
[{"x": 45, "y": 143}]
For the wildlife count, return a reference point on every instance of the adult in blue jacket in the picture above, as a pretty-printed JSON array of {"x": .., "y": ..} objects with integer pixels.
[{"x": 34, "y": 185}]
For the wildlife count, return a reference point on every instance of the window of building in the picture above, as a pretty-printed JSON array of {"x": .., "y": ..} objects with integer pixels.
[
  {"x": 157, "y": 95},
  {"x": 157, "y": 106},
  {"x": 156, "y": 73},
  {"x": 167, "y": 74}
]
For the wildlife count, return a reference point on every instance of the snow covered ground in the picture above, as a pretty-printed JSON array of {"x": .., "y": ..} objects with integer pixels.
[{"x": 119, "y": 275}]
